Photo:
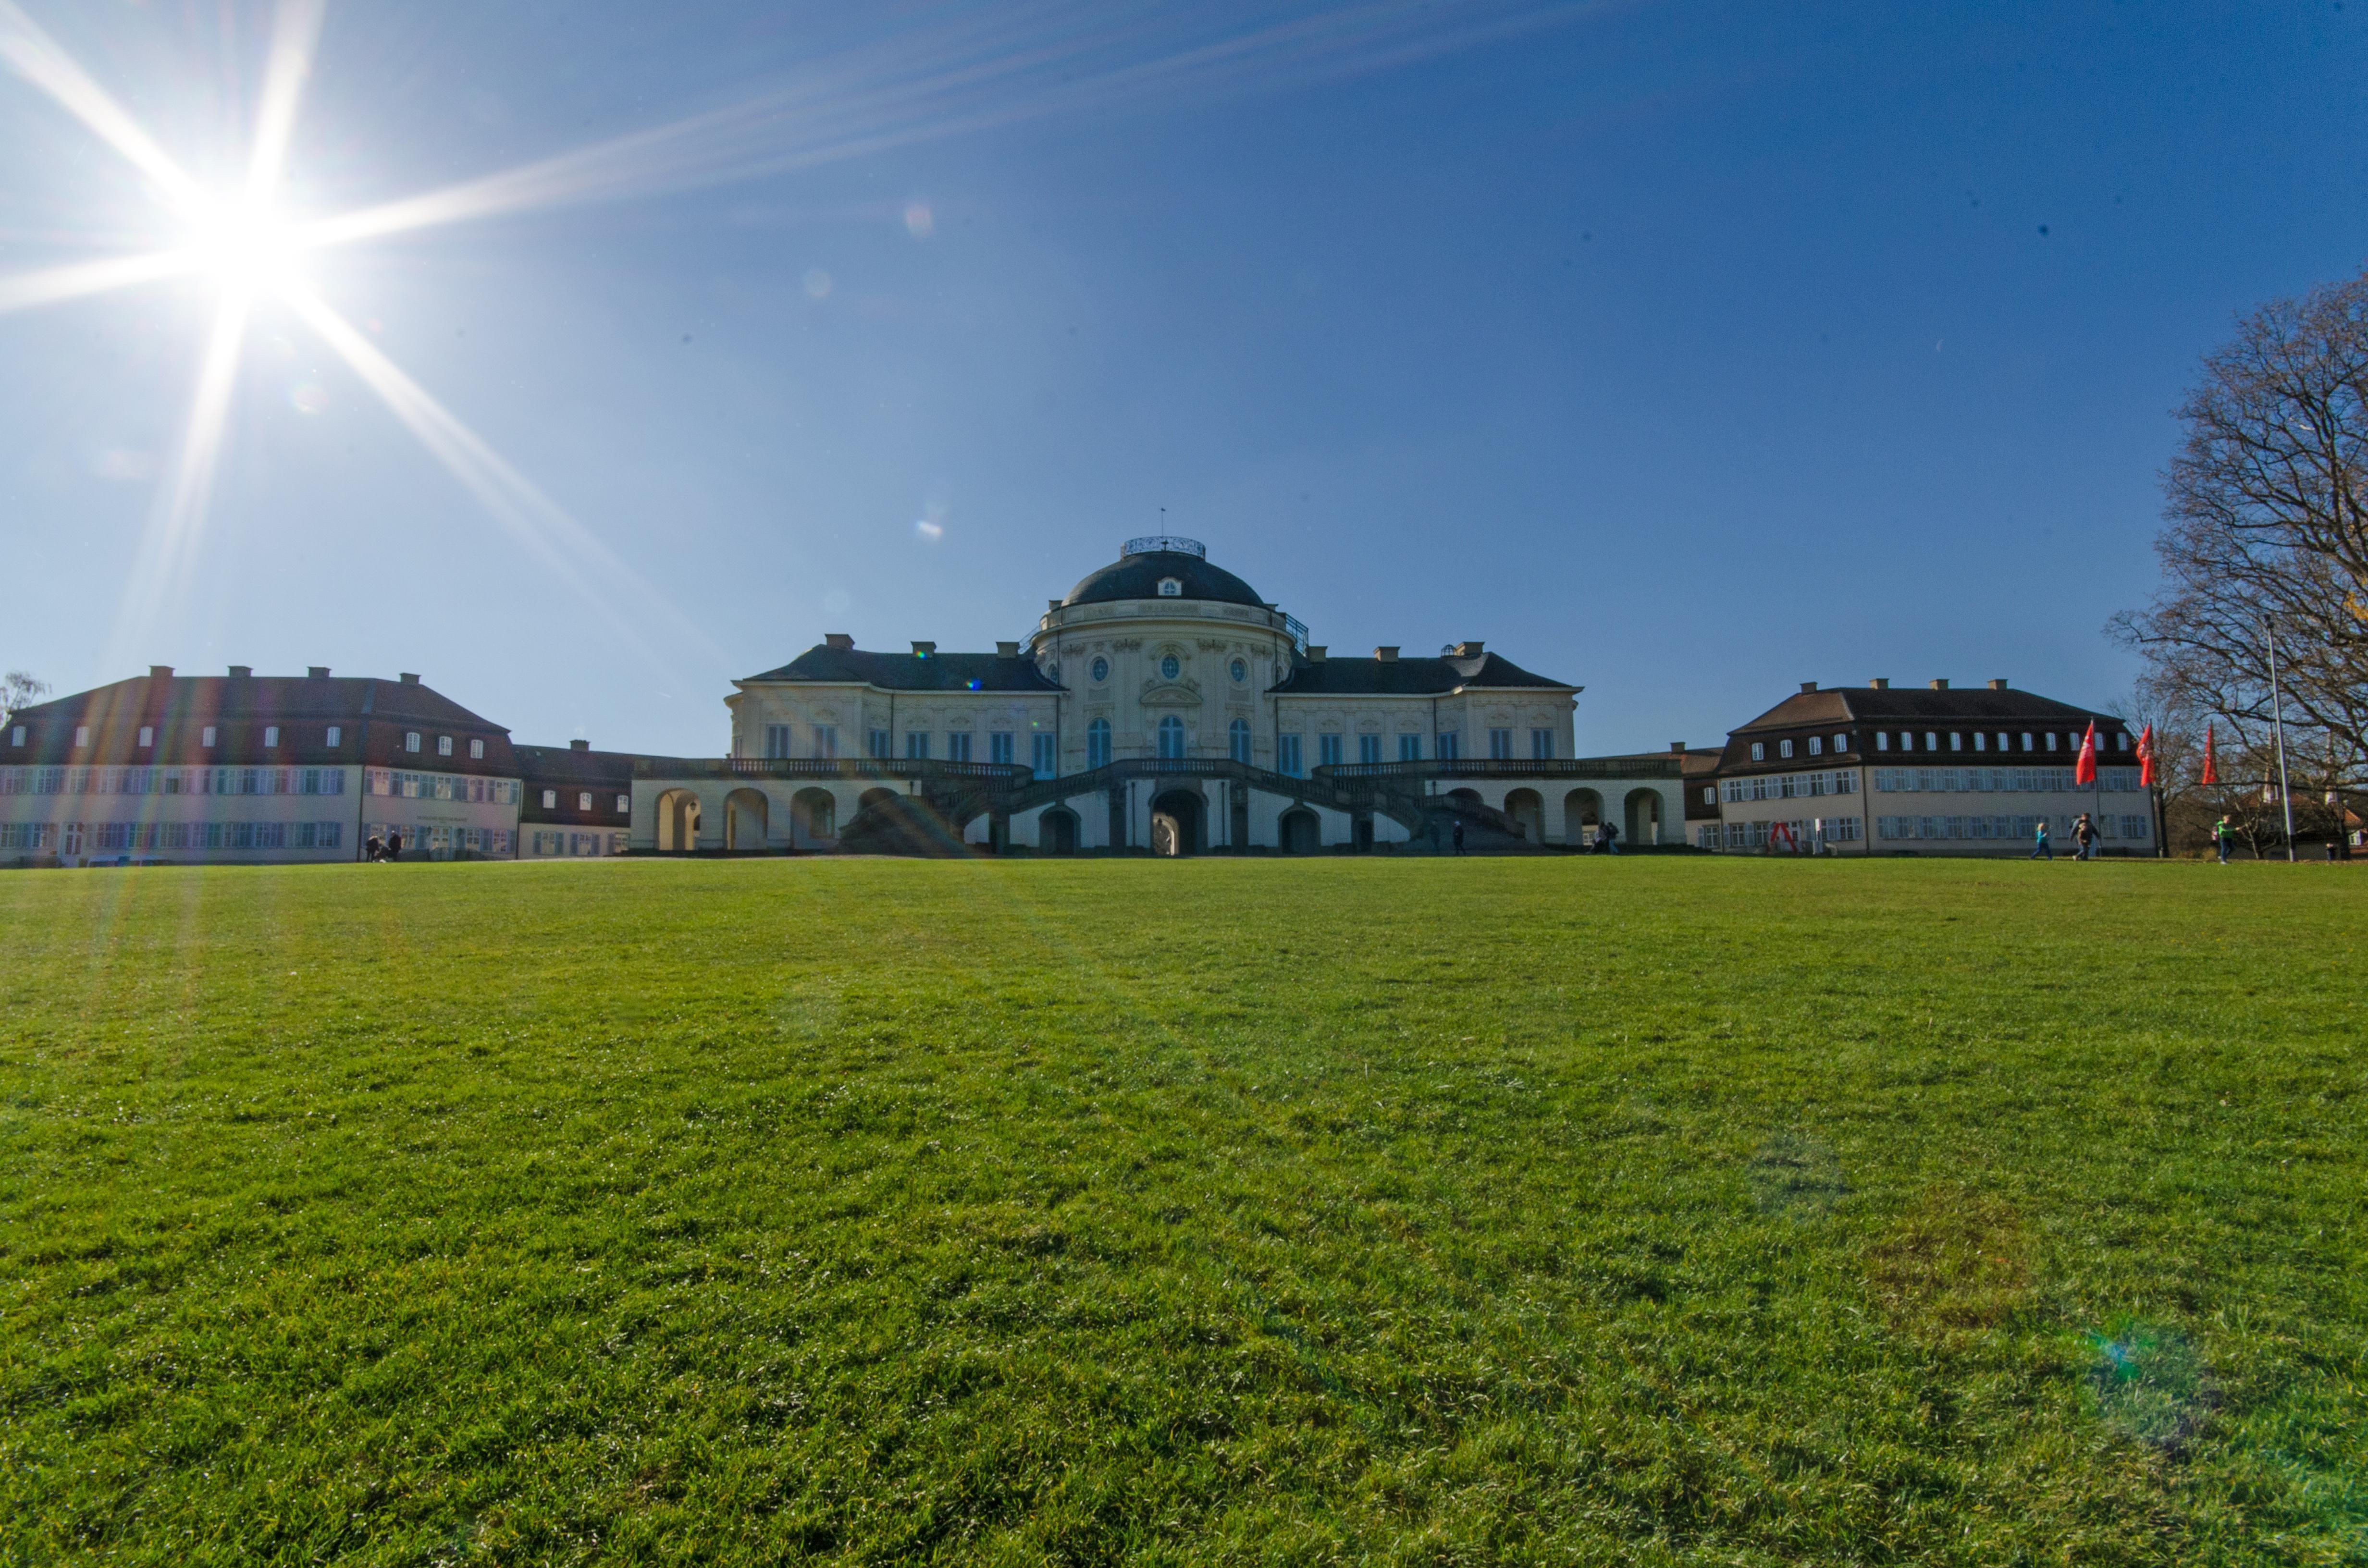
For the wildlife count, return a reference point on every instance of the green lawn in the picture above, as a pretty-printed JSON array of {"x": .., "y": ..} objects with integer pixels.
[{"x": 1646, "y": 1211}]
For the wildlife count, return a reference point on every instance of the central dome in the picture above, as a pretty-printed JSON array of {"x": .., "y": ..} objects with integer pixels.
[{"x": 1147, "y": 562}]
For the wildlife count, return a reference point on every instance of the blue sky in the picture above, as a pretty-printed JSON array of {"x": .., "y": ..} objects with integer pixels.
[{"x": 1681, "y": 352}]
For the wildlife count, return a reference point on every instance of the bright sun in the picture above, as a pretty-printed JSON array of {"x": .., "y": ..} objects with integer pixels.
[{"x": 247, "y": 246}]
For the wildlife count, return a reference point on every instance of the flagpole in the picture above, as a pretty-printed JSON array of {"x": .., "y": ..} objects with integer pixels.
[{"x": 2278, "y": 724}]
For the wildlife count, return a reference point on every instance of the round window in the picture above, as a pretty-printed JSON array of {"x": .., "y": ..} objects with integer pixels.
[
  {"x": 1241, "y": 670},
  {"x": 1101, "y": 669},
  {"x": 1169, "y": 668}
]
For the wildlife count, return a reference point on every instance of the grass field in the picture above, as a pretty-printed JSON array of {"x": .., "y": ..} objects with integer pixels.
[{"x": 1648, "y": 1210}]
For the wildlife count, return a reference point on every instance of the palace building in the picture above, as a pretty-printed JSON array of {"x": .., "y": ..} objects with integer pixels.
[{"x": 1162, "y": 704}]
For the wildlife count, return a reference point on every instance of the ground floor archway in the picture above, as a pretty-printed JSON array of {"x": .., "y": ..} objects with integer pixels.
[
  {"x": 1581, "y": 811},
  {"x": 1644, "y": 816},
  {"x": 1178, "y": 823},
  {"x": 746, "y": 816},
  {"x": 1528, "y": 809},
  {"x": 677, "y": 821},
  {"x": 1056, "y": 832},
  {"x": 1300, "y": 832},
  {"x": 814, "y": 817}
]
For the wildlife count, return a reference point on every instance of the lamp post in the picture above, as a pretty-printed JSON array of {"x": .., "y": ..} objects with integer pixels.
[{"x": 2278, "y": 725}]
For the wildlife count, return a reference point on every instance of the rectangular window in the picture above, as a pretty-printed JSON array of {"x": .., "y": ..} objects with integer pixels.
[
  {"x": 1041, "y": 756},
  {"x": 957, "y": 747},
  {"x": 1409, "y": 748},
  {"x": 1500, "y": 745},
  {"x": 1541, "y": 745},
  {"x": 583, "y": 800},
  {"x": 147, "y": 735},
  {"x": 1816, "y": 745},
  {"x": 1287, "y": 760},
  {"x": 2051, "y": 740},
  {"x": 998, "y": 748},
  {"x": 826, "y": 742},
  {"x": 917, "y": 744},
  {"x": 551, "y": 799},
  {"x": 1327, "y": 750},
  {"x": 336, "y": 735},
  {"x": 272, "y": 735},
  {"x": 777, "y": 740},
  {"x": 17, "y": 736},
  {"x": 876, "y": 745},
  {"x": 82, "y": 735},
  {"x": 411, "y": 739},
  {"x": 625, "y": 804},
  {"x": 443, "y": 746},
  {"x": 1369, "y": 748},
  {"x": 1451, "y": 745}
]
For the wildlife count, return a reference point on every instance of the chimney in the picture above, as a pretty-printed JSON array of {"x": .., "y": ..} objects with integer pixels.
[
  {"x": 923, "y": 650},
  {"x": 839, "y": 639},
  {"x": 240, "y": 671},
  {"x": 1881, "y": 682},
  {"x": 1677, "y": 748},
  {"x": 579, "y": 745},
  {"x": 160, "y": 672},
  {"x": 1315, "y": 652},
  {"x": 1388, "y": 654},
  {"x": 1006, "y": 650},
  {"x": 1468, "y": 650},
  {"x": 409, "y": 678},
  {"x": 1939, "y": 686},
  {"x": 1998, "y": 684},
  {"x": 1051, "y": 605},
  {"x": 316, "y": 671},
  {"x": 1808, "y": 685}
]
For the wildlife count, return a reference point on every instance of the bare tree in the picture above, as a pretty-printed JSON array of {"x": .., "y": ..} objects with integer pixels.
[
  {"x": 2267, "y": 506},
  {"x": 18, "y": 690}
]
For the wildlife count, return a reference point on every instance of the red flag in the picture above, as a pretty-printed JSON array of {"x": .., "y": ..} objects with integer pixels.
[
  {"x": 2084, "y": 769},
  {"x": 2145, "y": 759},
  {"x": 2210, "y": 764}
]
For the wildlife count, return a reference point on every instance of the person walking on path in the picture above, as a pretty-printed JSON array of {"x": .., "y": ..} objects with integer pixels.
[
  {"x": 2084, "y": 833},
  {"x": 2224, "y": 834},
  {"x": 1459, "y": 835},
  {"x": 394, "y": 846},
  {"x": 2039, "y": 844},
  {"x": 372, "y": 849},
  {"x": 1607, "y": 839}
]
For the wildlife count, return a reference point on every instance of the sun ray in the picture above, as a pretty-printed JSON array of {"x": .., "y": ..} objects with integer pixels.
[
  {"x": 295, "y": 33},
  {"x": 872, "y": 100},
  {"x": 177, "y": 518},
  {"x": 36, "y": 56},
  {"x": 556, "y": 538},
  {"x": 54, "y": 285}
]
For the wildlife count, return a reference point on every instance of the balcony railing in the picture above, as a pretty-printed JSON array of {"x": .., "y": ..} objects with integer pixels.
[
  {"x": 1009, "y": 774},
  {"x": 1493, "y": 768}
]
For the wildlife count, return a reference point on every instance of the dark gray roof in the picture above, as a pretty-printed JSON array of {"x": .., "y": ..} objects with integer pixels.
[
  {"x": 1879, "y": 705},
  {"x": 371, "y": 715},
  {"x": 566, "y": 764},
  {"x": 913, "y": 672},
  {"x": 1409, "y": 678},
  {"x": 1137, "y": 577}
]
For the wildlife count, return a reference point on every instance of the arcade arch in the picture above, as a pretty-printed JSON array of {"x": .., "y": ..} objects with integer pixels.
[
  {"x": 746, "y": 815},
  {"x": 677, "y": 821}
]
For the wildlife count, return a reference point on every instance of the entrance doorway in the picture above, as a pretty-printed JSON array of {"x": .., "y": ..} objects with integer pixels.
[
  {"x": 1300, "y": 832},
  {"x": 1056, "y": 832},
  {"x": 1177, "y": 817}
]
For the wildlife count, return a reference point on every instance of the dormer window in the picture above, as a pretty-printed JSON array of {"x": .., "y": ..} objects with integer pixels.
[
  {"x": 147, "y": 735},
  {"x": 1759, "y": 751},
  {"x": 1171, "y": 588}
]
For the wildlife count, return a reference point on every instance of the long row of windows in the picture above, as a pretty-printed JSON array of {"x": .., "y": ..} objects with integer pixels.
[
  {"x": 334, "y": 734},
  {"x": 2133, "y": 828},
  {"x": 1988, "y": 781},
  {"x": 1997, "y": 740},
  {"x": 576, "y": 843},
  {"x": 126, "y": 837},
  {"x": 1788, "y": 785},
  {"x": 583, "y": 800},
  {"x": 1803, "y": 833},
  {"x": 444, "y": 843},
  {"x": 172, "y": 781},
  {"x": 1169, "y": 736},
  {"x": 442, "y": 787}
]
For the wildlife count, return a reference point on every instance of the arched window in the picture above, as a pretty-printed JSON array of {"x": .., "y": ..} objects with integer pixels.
[
  {"x": 1171, "y": 736},
  {"x": 1097, "y": 750},
  {"x": 1238, "y": 739}
]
